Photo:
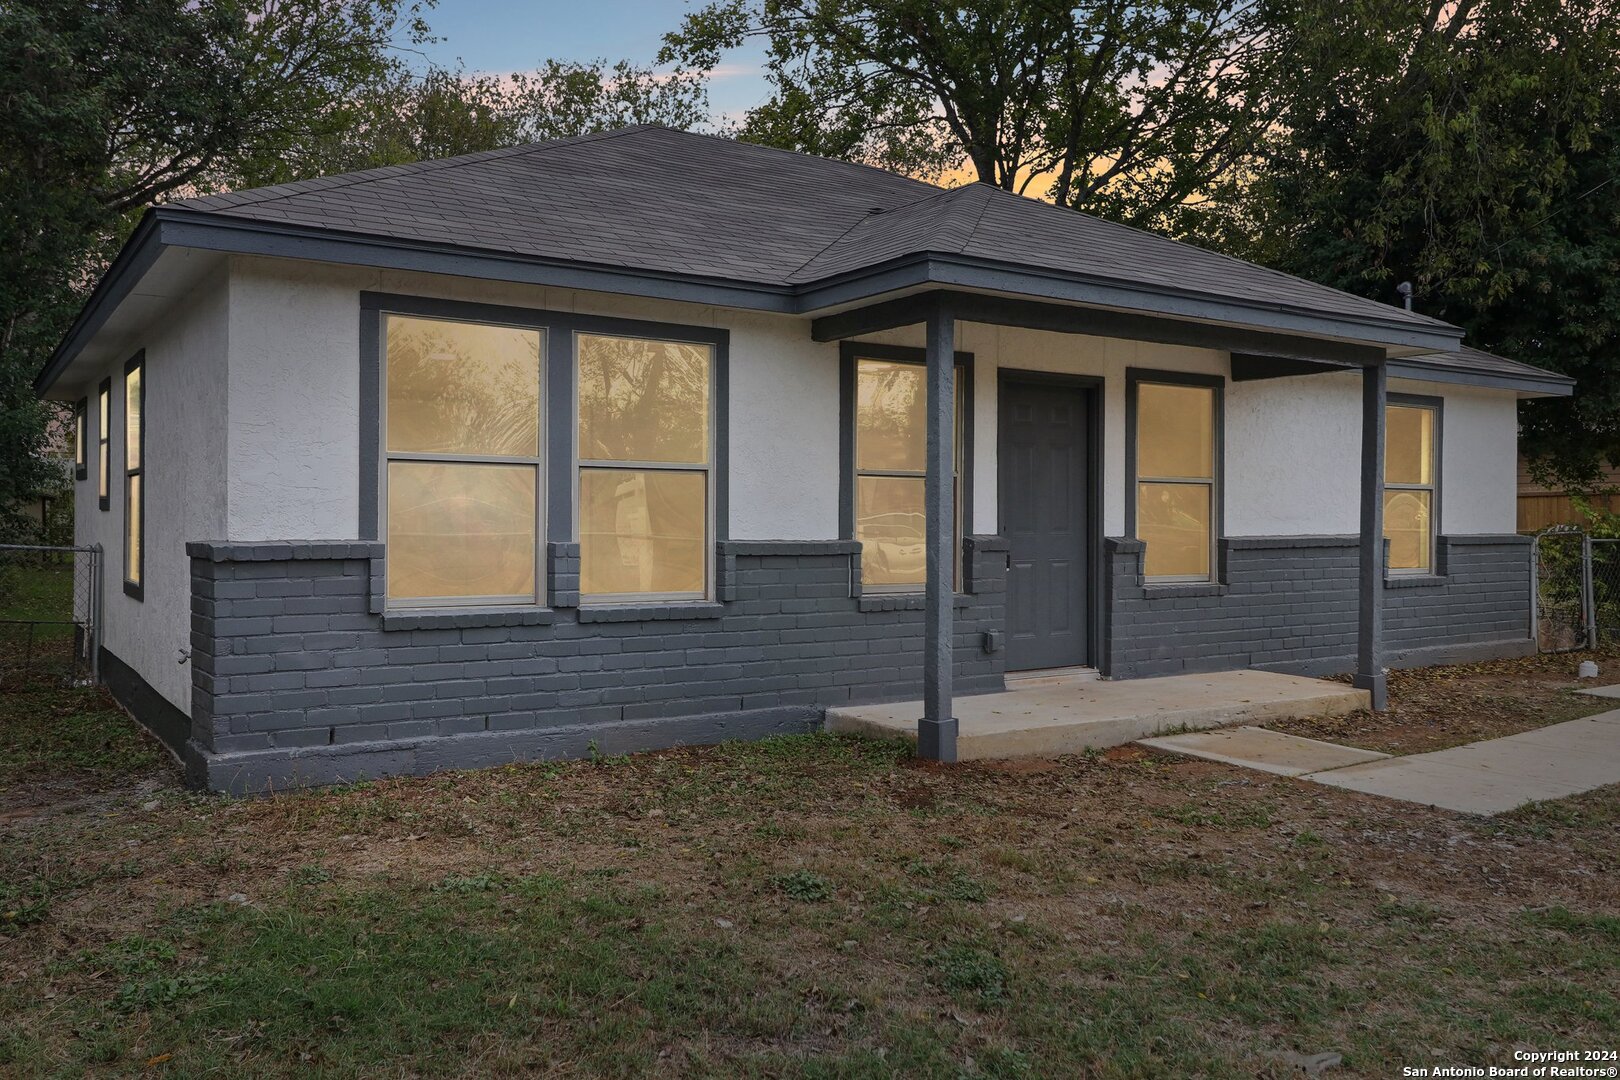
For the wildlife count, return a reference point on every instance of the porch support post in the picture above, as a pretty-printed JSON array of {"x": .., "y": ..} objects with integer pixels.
[
  {"x": 1369, "y": 674},
  {"x": 936, "y": 730}
]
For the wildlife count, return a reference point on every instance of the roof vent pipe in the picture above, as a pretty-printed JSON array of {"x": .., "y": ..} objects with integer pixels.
[{"x": 1405, "y": 291}]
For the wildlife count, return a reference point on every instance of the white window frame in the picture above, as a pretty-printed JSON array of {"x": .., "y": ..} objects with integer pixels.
[
  {"x": 709, "y": 468},
  {"x": 1216, "y": 385},
  {"x": 385, "y": 457},
  {"x": 1435, "y": 406}
]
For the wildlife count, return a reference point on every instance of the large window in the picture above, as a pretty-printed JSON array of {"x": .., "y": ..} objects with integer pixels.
[
  {"x": 646, "y": 446},
  {"x": 891, "y": 448},
  {"x": 103, "y": 446},
  {"x": 462, "y": 473},
  {"x": 1411, "y": 483},
  {"x": 1177, "y": 459},
  {"x": 135, "y": 476}
]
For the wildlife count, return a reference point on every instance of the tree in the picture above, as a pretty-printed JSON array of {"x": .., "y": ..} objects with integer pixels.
[
  {"x": 1473, "y": 148},
  {"x": 1129, "y": 110},
  {"x": 108, "y": 106},
  {"x": 410, "y": 116}
]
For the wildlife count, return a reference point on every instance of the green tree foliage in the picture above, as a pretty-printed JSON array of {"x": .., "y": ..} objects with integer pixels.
[
  {"x": 1130, "y": 110},
  {"x": 1471, "y": 147},
  {"x": 410, "y": 116},
  {"x": 109, "y": 106}
]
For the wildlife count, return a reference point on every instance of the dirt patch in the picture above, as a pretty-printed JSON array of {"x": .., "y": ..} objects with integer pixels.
[{"x": 1436, "y": 708}]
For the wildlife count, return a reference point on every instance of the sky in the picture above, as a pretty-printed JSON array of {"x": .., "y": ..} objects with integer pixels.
[{"x": 502, "y": 36}]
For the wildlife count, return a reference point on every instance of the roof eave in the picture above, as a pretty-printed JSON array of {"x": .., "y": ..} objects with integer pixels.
[
  {"x": 178, "y": 227},
  {"x": 134, "y": 259},
  {"x": 1548, "y": 385}
]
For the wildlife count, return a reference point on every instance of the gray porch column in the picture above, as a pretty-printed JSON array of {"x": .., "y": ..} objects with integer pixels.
[
  {"x": 1369, "y": 674},
  {"x": 936, "y": 730}
]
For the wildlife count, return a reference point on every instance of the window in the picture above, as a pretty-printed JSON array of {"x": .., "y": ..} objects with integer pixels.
[
  {"x": 646, "y": 435},
  {"x": 1411, "y": 485},
  {"x": 135, "y": 476},
  {"x": 81, "y": 455},
  {"x": 103, "y": 447},
  {"x": 462, "y": 462},
  {"x": 1176, "y": 456},
  {"x": 890, "y": 450}
]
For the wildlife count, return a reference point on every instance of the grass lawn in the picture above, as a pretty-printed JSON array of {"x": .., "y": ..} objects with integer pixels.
[{"x": 810, "y": 906}]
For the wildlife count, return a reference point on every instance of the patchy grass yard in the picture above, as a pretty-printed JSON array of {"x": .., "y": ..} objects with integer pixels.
[{"x": 810, "y": 906}]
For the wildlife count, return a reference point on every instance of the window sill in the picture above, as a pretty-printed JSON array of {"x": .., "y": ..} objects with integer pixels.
[
  {"x": 904, "y": 601},
  {"x": 674, "y": 610},
  {"x": 1413, "y": 581},
  {"x": 1170, "y": 589},
  {"x": 465, "y": 618}
]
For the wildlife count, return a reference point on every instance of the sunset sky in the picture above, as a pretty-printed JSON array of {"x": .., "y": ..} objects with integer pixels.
[{"x": 502, "y": 36}]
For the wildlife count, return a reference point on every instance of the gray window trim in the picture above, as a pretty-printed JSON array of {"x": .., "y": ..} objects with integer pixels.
[
  {"x": 849, "y": 353},
  {"x": 1134, "y": 377},
  {"x": 1421, "y": 401},
  {"x": 135, "y": 589},
  {"x": 559, "y": 470},
  {"x": 104, "y": 444}
]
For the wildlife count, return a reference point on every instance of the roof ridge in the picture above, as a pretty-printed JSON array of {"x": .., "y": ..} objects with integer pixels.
[
  {"x": 294, "y": 188},
  {"x": 974, "y": 231},
  {"x": 887, "y": 173},
  {"x": 1414, "y": 315},
  {"x": 870, "y": 218}
]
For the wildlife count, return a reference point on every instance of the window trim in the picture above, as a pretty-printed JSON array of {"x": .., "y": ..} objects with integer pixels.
[
  {"x": 537, "y": 462},
  {"x": 850, "y": 353},
  {"x": 1437, "y": 406},
  {"x": 559, "y": 472},
  {"x": 81, "y": 439},
  {"x": 1134, "y": 378},
  {"x": 104, "y": 443},
  {"x": 135, "y": 588},
  {"x": 708, "y": 469}
]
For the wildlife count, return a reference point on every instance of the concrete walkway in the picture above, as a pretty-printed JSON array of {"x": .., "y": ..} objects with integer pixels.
[
  {"x": 1487, "y": 777},
  {"x": 1068, "y": 716},
  {"x": 1267, "y": 751}
]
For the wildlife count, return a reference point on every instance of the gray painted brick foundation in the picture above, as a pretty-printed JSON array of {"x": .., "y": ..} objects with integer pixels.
[
  {"x": 1289, "y": 604},
  {"x": 297, "y": 680}
]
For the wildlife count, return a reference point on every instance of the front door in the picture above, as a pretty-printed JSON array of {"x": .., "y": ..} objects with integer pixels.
[{"x": 1043, "y": 484}]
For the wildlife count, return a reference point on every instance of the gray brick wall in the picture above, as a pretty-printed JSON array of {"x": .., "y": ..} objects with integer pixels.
[
  {"x": 1289, "y": 604},
  {"x": 296, "y": 679}
]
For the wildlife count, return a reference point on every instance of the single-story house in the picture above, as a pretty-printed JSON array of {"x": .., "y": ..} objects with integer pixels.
[{"x": 645, "y": 437}]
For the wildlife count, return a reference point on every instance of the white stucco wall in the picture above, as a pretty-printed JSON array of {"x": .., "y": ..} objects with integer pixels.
[
  {"x": 254, "y": 426},
  {"x": 296, "y": 414},
  {"x": 1292, "y": 445},
  {"x": 1479, "y": 453},
  {"x": 186, "y": 496}
]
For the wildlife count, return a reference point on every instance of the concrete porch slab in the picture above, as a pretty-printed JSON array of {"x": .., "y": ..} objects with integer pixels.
[
  {"x": 1267, "y": 751},
  {"x": 1069, "y": 717},
  {"x": 1496, "y": 775}
]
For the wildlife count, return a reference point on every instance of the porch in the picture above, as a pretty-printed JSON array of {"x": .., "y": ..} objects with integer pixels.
[
  {"x": 1045, "y": 718},
  {"x": 1065, "y": 528}
]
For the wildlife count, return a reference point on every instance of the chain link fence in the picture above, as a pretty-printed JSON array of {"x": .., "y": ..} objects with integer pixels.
[{"x": 49, "y": 616}]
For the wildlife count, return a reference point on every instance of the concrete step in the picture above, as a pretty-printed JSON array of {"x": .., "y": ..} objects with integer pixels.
[{"x": 1071, "y": 717}]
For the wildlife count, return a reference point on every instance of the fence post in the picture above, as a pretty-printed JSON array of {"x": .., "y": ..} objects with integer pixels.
[
  {"x": 96, "y": 627},
  {"x": 1588, "y": 601},
  {"x": 1535, "y": 590}
]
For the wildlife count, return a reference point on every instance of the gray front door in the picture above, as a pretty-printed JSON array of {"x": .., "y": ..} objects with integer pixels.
[{"x": 1043, "y": 484}]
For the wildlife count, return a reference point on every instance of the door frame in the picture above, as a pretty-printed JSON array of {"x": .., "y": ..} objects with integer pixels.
[{"x": 1094, "y": 388}]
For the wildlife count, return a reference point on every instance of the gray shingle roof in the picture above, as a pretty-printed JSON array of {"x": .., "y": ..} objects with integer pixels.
[
  {"x": 650, "y": 198},
  {"x": 1466, "y": 359}
]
